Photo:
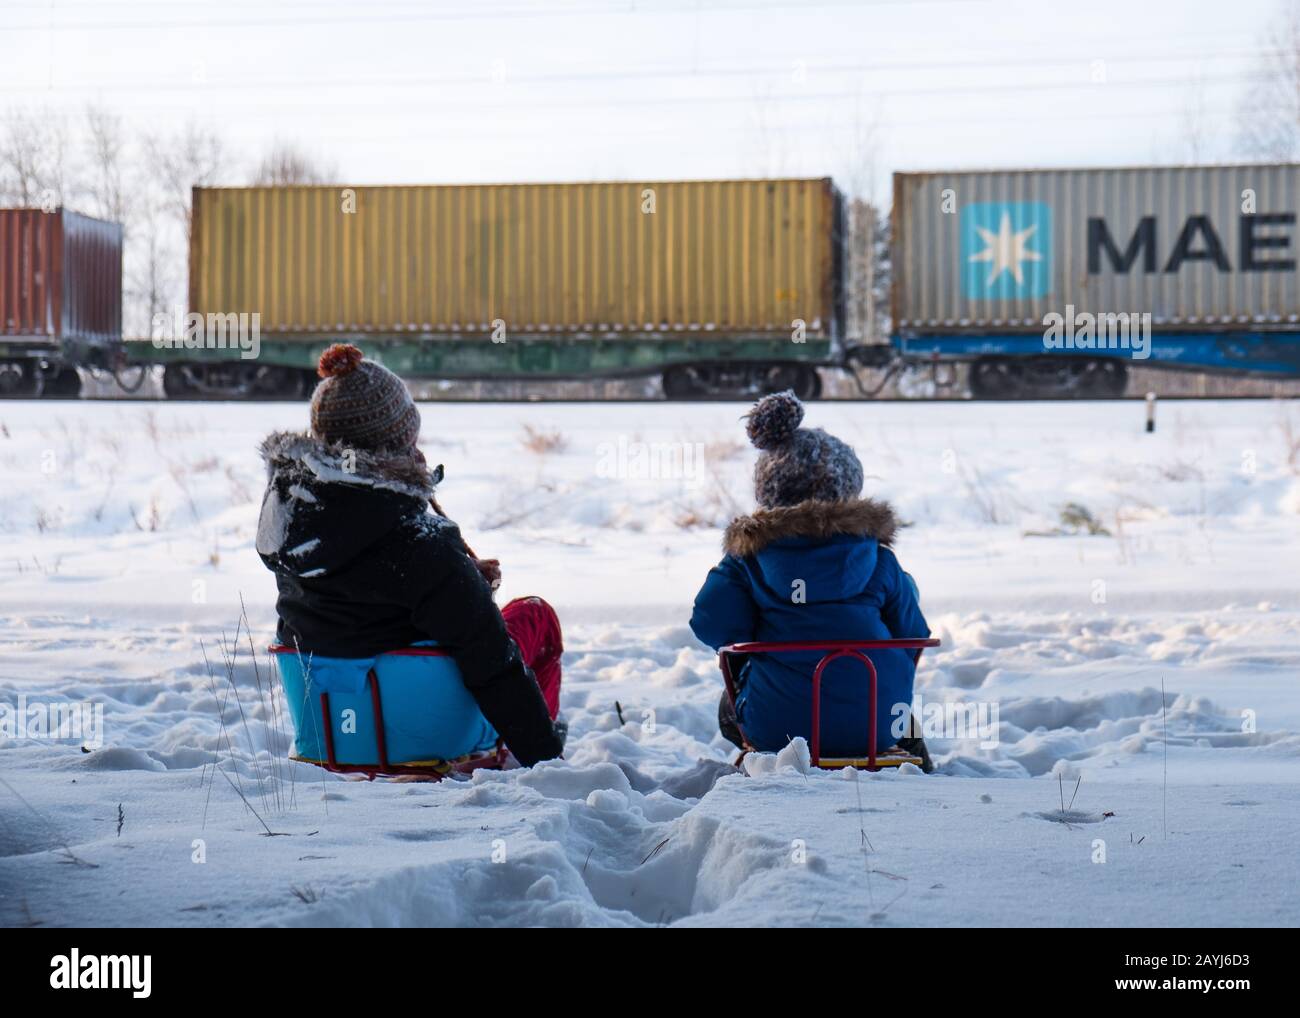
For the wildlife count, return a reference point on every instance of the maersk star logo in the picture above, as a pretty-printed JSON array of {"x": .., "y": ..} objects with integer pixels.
[{"x": 1006, "y": 250}]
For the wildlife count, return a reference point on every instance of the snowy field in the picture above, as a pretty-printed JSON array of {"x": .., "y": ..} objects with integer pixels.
[{"x": 1072, "y": 565}]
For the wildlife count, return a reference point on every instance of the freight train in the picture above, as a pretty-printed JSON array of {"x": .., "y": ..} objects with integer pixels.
[{"x": 1043, "y": 283}]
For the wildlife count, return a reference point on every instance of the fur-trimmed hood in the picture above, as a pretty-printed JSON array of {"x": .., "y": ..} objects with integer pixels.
[
  {"x": 814, "y": 571},
  {"x": 325, "y": 505},
  {"x": 296, "y": 453},
  {"x": 855, "y": 517}
]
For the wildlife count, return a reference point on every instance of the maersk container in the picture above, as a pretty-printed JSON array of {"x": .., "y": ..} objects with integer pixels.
[
  {"x": 982, "y": 259},
  {"x": 523, "y": 280}
]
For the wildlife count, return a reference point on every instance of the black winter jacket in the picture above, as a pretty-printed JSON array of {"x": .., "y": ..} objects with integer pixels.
[{"x": 364, "y": 565}]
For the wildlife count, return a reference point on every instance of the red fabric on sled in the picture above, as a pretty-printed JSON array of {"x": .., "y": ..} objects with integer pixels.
[{"x": 535, "y": 628}]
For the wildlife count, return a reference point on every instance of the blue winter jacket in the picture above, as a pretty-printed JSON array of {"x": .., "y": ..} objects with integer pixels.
[{"x": 814, "y": 571}]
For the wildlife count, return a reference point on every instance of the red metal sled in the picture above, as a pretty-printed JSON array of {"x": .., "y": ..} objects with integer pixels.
[
  {"x": 428, "y": 770},
  {"x": 835, "y": 649}
]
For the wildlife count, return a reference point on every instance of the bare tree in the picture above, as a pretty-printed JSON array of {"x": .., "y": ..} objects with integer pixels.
[
  {"x": 286, "y": 164},
  {"x": 106, "y": 149},
  {"x": 858, "y": 140},
  {"x": 1195, "y": 124},
  {"x": 771, "y": 147},
  {"x": 33, "y": 149},
  {"x": 866, "y": 241},
  {"x": 196, "y": 157},
  {"x": 150, "y": 279},
  {"x": 862, "y": 258},
  {"x": 1270, "y": 111},
  {"x": 172, "y": 167},
  {"x": 118, "y": 187}
]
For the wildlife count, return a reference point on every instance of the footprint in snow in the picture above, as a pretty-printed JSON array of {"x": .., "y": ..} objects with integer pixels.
[
  {"x": 427, "y": 835},
  {"x": 1069, "y": 816}
]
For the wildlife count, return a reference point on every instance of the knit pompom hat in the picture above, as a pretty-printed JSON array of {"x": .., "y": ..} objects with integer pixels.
[
  {"x": 798, "y": 464},
  {"x": 362, "y": 404}
]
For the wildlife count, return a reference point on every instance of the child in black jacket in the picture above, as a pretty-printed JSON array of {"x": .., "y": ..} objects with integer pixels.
[{"x": 365, "y": 561}]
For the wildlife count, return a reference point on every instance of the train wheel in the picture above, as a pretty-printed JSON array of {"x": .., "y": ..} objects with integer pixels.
[
  {"x": 741, "y": 381},
  {"x": 177, "y": 384},
  {"x": 680, "y": 383},
  {"x": 234, "y": 381},
  {"x": 995, "y": 378},
  {"x": 282, "y": 383},
  {"x": 802, "y": 379},
  {"x": 20, "y": 380},
  {"x": 63, "y": 384},
  {"x": 1105, "y": 379}
]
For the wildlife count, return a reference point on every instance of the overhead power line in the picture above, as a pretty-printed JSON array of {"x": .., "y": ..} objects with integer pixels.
[
  {"x": 597, "y": 75},
  {"x": 478, "y": 12},
  {"x": 604, "y": 100}
]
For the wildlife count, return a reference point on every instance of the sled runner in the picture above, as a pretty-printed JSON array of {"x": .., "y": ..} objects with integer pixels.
[
  {"x": 834, "y": 649},
  {"x": 403, "y": 713}
]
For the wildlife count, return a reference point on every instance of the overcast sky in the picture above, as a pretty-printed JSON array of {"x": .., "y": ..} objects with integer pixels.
[{"x": 395, "y": 91}]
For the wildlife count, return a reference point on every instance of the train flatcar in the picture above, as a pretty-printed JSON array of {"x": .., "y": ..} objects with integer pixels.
[
  {"x": 1053, "y": 282},
  {"x": 721, "y": 287}
]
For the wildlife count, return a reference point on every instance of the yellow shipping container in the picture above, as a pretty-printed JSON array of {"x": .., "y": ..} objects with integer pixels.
[{"x": 739, "y": 257}]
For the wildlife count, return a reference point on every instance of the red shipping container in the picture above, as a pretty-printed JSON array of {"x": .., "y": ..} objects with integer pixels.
[{"x": 60, "y": 282}]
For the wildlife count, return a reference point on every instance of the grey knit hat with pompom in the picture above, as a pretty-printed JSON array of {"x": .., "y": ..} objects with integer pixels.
[
  {"x": 361, "y": 403},
  {"x": 798, "y": 464}
]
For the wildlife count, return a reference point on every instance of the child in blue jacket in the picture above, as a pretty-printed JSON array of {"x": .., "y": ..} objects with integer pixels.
[{"x": 813, "y": 562}]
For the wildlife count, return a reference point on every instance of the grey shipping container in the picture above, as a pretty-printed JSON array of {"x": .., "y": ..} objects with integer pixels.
[{"x": 1199, "y": 248}]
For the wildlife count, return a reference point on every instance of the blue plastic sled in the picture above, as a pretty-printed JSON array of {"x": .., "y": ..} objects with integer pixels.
[{"x": 405, "y": 712}]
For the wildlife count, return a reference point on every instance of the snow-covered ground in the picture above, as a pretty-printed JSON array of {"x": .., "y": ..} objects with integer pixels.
[{"x": 126, "y": 545}]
